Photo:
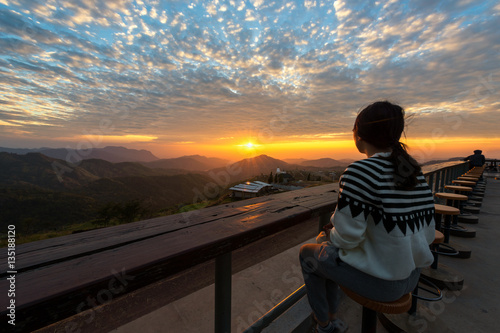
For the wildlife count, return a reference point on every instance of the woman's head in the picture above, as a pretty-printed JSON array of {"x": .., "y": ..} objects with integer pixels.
[{"x": 380, "y": 124}]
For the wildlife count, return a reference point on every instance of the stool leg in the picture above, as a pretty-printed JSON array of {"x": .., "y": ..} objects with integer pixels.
[
  {"x": 414, "y": 299},
  {"x": 369, "y": 321}
]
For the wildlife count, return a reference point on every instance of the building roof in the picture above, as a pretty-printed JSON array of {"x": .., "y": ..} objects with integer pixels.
[{"x": 250, "y": 187}]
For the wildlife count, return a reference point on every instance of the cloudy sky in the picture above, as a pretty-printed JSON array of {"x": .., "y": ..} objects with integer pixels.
[{"x": 234, "y": 78}]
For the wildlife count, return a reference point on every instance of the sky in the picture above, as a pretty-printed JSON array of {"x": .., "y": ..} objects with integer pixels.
[{"x": 233, "y": 79}]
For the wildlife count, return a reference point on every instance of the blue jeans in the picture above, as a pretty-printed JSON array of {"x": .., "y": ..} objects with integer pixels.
[{"x": 323, "y": 271}]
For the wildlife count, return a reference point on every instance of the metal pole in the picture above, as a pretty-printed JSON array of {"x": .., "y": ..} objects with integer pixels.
[
  {"x": 438, "y": 182},
  {"x": 223, "y": 293},
  {"x": 431, "y": 183}
]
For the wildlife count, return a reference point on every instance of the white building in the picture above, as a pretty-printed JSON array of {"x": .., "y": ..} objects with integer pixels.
[{"x": 250, "y": 189}]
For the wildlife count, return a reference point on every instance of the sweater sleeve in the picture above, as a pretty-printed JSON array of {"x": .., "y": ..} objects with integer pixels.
[
  {"x": 349, "y": 225},
  {"x": 347, "y": 233}
]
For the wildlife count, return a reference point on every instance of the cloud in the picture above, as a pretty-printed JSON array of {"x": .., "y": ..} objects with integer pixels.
[{"x": 195, "y": 70}]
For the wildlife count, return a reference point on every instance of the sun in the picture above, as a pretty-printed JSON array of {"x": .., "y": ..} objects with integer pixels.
[{"x": 249, "y": 147}]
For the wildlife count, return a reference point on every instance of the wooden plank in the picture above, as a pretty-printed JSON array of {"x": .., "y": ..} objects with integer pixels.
[
  {"x": 52, "y": 293},
  {"x": 36, "y": 254},
  {"x": 152, "y": 297}
]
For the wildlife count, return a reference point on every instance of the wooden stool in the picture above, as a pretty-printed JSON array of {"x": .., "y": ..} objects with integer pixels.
[
  {"x": 443, "y": 276},
  {"x": 464, "y": 217},
  {"x": 469, "y": 178},
  {"x": 475, "y": 188},
  {"x": 469, "y": 207},
  {"x": 371, "y": 307},
  {"x": 457, "y": 188},
  {"x": 463, "y": 182},
  {"x": 452, "y": 200},
  {"x": 398, "y": 323}
]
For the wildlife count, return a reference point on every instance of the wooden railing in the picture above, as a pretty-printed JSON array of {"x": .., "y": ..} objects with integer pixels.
[
  {"x": 102, "y": 279},
  {"x": 439, "y": 175}
]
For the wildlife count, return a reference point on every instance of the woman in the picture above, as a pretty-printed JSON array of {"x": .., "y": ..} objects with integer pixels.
[{"x": 382, "y": 226}]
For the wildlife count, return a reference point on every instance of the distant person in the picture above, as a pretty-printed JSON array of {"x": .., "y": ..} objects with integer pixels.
[
  {"x": 476, "y": 160},
  {"x": 382, "y": 226}
]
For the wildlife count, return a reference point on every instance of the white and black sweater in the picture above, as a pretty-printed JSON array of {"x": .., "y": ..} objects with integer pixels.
[{"x": 381, "y": 230}]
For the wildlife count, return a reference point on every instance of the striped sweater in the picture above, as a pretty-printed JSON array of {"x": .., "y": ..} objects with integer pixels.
[{"x": 381, "y": 230}]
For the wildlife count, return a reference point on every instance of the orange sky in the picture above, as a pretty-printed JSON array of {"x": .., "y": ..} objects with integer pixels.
[{"x": 423, "y": 149}]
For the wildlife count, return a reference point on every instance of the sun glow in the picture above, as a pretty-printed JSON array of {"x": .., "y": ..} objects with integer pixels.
[{"x": 249, "y": 145}]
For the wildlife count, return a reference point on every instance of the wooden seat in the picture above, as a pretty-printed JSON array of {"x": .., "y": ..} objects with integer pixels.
[
  {"x": 451, "y": 196},
  {"x": 457, "y": 188},
  {"x": 399, "y": 306},
  {"x": 371, "y": 308},
  {"x": 449, "y": 228},
  {"x": 438, "y": 237},
  {"x": 463, "y": 182},
  {"x": 446, "y": 210},
  {"x": 471, "y": 178},
  {"x": 441, "y": 275}
]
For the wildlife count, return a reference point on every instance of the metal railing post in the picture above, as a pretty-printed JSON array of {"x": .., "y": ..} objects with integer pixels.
[
  {"x": 223, "y": 293},
  {"x": 438, "y": 181},
  {"x": 430, "y": 182}
]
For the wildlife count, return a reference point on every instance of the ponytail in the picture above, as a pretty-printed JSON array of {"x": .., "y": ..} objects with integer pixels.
[
  {"x": 406, "y": 168},
  {"x": 382, "y": 124}
]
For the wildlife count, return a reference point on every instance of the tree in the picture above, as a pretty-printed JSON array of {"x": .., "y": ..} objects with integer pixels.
[
  {"x": 108, "y": 212},
  {"x": 270, "y": 179},
  {"x": 280, "y": 178},
  {"x": 130, "y": 211}
]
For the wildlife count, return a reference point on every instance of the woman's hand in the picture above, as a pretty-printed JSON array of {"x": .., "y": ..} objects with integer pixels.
[{"x": 322, "y": 237}]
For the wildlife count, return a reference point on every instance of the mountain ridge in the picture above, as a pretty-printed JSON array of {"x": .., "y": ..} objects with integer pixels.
[{"x": 114, "y": 154}]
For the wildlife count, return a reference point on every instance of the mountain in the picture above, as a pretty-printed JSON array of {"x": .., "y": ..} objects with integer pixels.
[
  {"x": 294, "y": 160},
  {"x": 43, "y": 193},
  {"x": 36, "y": 169},
  {"x": 22, "y": 151},
  {"x": 191, "y": 163},
  {"x": 443, "y": 161},
  {"x": 250, "y": 167},
  {"x": 326, "y": 163},
  {"x": 111, "y": 154},
  {"x": 105, "y": 169}
]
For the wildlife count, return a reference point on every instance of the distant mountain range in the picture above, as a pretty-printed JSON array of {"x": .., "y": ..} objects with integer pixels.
[
  {"x": 326, "y": 162},
  {"x": 43, "y": 192},
  {"x": 47, "y": 189},
  {"x": 115, "y": 154},
  {"x": 121, "y": 154},
  {"x": 111, "y": 154},
  {"x": 191, "y": 163}
]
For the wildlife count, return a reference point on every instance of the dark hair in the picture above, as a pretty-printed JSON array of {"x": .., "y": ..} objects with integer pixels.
[{"x": 382, "y": 124}]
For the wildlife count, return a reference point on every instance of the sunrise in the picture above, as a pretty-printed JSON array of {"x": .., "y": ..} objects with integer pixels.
[
  {"x": 242, "y": 166},
  {"x": 174, "y": 77}
]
